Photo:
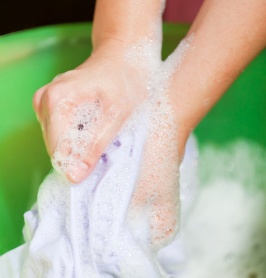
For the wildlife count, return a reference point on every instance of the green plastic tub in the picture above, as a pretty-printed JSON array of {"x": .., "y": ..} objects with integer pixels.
[{"x": 30, "y": 59}]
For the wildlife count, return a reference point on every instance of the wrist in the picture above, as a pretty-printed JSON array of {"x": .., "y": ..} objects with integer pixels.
[{"x": 125, "y": 21}]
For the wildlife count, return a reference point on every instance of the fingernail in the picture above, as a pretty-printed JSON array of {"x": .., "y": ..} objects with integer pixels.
[{"x": 79, "y": 174}]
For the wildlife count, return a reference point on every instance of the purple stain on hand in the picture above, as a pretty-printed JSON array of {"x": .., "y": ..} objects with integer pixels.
[
  {"x": 80, "y": 126},
  {"x": 117, "y": 143},
  {"x": 104, "y": 157}
]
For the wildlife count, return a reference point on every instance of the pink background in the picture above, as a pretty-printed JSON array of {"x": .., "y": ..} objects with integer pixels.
[{"x": 183, "y": 11}]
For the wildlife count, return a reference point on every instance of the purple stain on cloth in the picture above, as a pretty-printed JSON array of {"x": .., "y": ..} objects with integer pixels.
[
  {"x": 104, "y": 157},
  {"x": 117, "y": 143},
  {"x": 131, "y": 150}
]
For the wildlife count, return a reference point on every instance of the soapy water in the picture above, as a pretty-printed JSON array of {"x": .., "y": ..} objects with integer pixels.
[{"x": 224, "y": 233}]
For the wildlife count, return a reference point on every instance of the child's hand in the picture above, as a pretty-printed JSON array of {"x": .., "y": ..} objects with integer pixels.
[{"x": 105, "y": 78}]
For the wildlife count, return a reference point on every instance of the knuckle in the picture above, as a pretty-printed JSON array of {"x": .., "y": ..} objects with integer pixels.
[
  {"x": 53, "y": 94},
  {"x": 56, "y": 87},
  {"x": 36, "y": 101}
]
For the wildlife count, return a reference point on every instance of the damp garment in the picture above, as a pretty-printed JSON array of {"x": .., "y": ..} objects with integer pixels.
[{"x": 82, "y": 230}]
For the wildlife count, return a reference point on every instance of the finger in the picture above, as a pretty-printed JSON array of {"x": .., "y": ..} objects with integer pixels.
[
  {"x": 36, "y": 101},
  {"x": 55, "y": 102},
  {"x": 107, "y": 131},
  {"x": 52, "y": 86},
  {"x": 53, "y": 126}
]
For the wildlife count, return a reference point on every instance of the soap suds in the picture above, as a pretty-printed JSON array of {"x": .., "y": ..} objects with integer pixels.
[{"x": 223, "y": 234}]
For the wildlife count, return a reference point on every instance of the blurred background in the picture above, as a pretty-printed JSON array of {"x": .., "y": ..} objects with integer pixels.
[{"x": 16, "y": 15}]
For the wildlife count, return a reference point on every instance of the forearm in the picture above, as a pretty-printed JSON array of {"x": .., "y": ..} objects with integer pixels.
[
  {"x": 227, "y": 36},
  {"x": 124, "y": 21}
]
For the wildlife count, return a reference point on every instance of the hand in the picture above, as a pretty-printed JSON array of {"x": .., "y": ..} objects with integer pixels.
[{"x": 106, "y": 80}]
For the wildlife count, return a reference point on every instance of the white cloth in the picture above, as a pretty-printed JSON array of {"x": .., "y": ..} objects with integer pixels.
[{"x": 81, "y": 230}]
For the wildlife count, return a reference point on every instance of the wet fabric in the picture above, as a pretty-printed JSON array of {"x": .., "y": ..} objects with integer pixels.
[{"x": 83, "y": 231}]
